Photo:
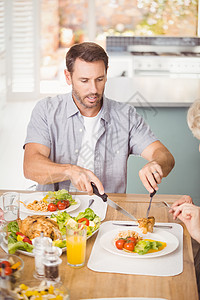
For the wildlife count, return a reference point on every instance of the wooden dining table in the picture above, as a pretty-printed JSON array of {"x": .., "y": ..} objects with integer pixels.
[{"x": 84, "y": 283}]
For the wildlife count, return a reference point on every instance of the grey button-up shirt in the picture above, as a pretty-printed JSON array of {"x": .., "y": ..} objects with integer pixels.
[{"x": 57, "y": 123}]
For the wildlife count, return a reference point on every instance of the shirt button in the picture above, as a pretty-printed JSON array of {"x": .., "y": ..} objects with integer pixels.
[
  {"x": 76, "y": 151},
  {"x": 80, "y": 129},
  {"x": 117, "y": 151}
]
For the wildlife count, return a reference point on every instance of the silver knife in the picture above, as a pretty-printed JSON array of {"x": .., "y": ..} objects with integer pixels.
[
  {"x": 151, "y": 197},
  {"x": 156, "y": 226},
  {"x": 105, "y": 198}
]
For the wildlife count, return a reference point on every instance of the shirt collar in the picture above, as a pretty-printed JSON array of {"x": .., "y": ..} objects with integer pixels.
[
  {"x": 72, "y": 109},
  {"x": 105, "y": 114}
]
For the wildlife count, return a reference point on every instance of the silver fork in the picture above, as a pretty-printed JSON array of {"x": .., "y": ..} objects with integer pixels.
[
  {"x": 167, "y": 205},
  {"x": 90, "y": 202}
]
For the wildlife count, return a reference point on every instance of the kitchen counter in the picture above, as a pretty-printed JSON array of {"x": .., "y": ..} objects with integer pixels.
[{"x": 153, "y": 80}]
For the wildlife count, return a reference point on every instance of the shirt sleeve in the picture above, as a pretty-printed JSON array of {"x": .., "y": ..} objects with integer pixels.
[
  {"x": 141, "y": 135},
  {"x": 37, "y": 130}
]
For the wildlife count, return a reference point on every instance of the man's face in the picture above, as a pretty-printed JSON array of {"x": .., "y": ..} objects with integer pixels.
[{"x": 88, "y": 82}]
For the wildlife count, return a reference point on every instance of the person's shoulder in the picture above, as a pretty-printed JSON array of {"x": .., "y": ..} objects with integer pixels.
[
  {"x": 53, "y": 102},
  {"x": 119, "y": 106}
]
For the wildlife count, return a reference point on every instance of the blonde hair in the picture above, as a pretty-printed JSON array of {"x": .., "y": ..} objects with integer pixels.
[{"x": 193, "y": 118}]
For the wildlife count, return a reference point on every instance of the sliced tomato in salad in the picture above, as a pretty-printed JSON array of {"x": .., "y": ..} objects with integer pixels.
[
  {"x": 27, "y": 240},
  {"x": 84, "y": 221}
]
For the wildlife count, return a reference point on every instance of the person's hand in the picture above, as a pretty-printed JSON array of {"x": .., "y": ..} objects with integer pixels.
[
  {"x": 151, "y": 175},
  {"x": 81, "y": 179},
  {"x": 189, "y": 214},
  {"x": 183, "y": 199}
]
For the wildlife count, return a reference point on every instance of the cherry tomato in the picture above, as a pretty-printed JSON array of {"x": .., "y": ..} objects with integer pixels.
[
  {"x": 8, "y": 270},
  {"x": 52, "y": 207},
  {"x": 5, "y": 262},
  {"x": 131, "y": 239},
  {"x": 84, "y": 220},
  {"x": 61, "y": 205},
  {"x": 27, "y": 240},
  {"x": 66, "y": 202},
  {"x": 120, "y": 244},
  {"x": 129, "y": 246}
]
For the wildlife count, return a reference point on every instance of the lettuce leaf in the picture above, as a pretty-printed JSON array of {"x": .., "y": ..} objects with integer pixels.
[
  {"x": 88, "y": 213},
  {"x": 13, "y": 227},
  {"x": 61, "y": 195},
  {"x": 142, "y": 247},
  {"x": 62, "y": 217},
  {"x": 97, "y": 221},
  {"x": 155, "y": 245},
  {"x": 12, "y": 248},
  {"x": 59, "y": 243},
  {"x": 12, "y": 238}
]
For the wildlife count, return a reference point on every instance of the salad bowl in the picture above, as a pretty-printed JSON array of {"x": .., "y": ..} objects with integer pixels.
[
  {"x": 51, "y": 289},
  {"x": 14, "y": 266}
]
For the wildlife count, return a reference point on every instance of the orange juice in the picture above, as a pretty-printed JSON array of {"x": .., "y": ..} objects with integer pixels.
[{"x": 76, "y": 246}]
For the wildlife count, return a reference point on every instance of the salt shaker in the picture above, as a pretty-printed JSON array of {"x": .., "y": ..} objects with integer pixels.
[
  {"x": 40, "y": 243},
  {"x": 51, "y": 264}
]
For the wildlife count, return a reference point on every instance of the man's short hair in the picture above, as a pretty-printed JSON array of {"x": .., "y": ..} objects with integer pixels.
[
  {"x": 193, "y": 118},
  {"x": 86, "y": 51}
]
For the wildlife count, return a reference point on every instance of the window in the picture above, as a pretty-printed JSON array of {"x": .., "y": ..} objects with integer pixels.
[
  {"x": 39, "y": 33},
  {"x": 146, "y": 17},
  {"x": 63, "y": 23},
  {"x": 66, "y": 22}
]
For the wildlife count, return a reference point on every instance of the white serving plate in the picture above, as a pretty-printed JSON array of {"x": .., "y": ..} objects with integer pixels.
[
  {"x": 107, "y": 242},
  {"x": 99, "y": 207},
  {"x": 29, "y": 198},
  {"x": 4, "y": 246}
]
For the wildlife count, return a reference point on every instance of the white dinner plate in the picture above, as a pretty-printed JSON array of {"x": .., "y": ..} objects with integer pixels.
[
  {"x": 4, "y": 246},
  {"x": 107, "y": 242},
  {"x": 39, "y": 196}
]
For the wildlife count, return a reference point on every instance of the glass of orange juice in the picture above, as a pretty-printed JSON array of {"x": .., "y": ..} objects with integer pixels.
[{"x": 76, "y": 245}]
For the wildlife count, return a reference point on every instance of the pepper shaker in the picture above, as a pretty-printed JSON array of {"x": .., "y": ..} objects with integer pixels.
[{"x": 51, "y": 264}]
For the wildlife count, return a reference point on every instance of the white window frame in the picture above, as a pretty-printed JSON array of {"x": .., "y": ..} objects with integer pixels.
[{"x": 23, "y": 96}]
